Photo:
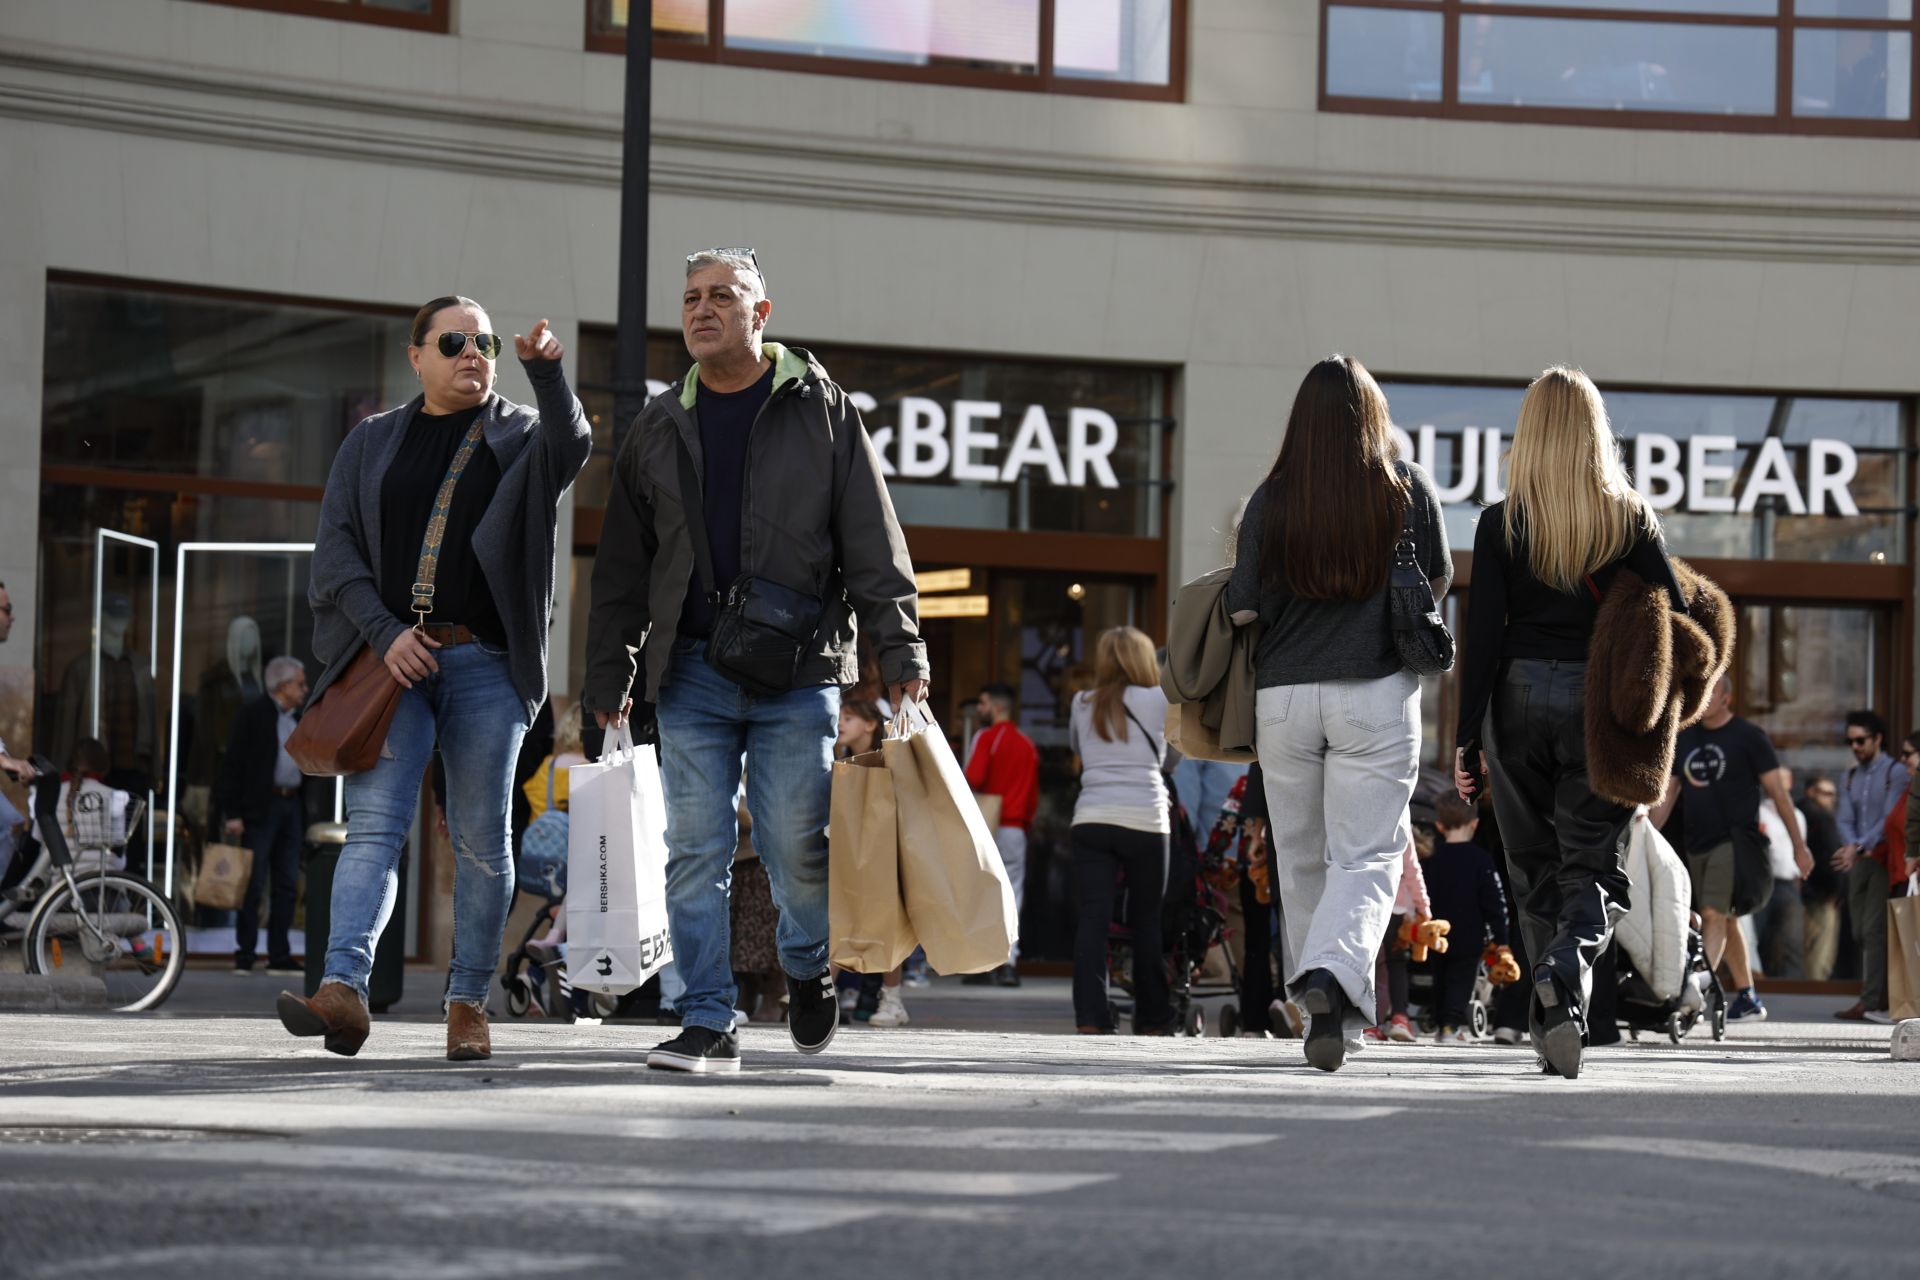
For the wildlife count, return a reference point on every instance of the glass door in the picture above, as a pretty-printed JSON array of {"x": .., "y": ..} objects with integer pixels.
[{"x": 121, "y": 711}]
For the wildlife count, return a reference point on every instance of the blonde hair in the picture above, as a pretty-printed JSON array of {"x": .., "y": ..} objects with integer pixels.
[
  {"x": 1123, "y": 656},
  {"x": 1567, "y": 492},
  {"x": 566, "y": 732}
]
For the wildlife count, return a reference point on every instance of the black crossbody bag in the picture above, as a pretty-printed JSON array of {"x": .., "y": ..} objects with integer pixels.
[
  {"x": 762, "y": 630},
  {"x": 1419, "y": 632}
]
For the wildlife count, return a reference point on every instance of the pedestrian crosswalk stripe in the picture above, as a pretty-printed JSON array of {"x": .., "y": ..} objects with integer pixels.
[
  {"x": 1865, "y": 1168},
  {"x": 1212, "y": 1106}
]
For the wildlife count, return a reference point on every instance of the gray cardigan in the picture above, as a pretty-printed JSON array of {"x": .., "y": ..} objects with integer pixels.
[{"x": 515, "y": 539}]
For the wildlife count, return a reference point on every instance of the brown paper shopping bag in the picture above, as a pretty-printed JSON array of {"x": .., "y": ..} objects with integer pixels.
[
  {"x": 1903, "y": 954},
  {"x": 867, "y": 918},
  {"x": 957, "y": 894},
  {"x": 224, "y": 872}
]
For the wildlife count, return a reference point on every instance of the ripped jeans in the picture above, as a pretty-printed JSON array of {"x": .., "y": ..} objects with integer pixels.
[{"x": 471, "y": 709}]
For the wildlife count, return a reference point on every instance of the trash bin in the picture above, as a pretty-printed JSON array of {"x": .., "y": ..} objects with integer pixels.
[{"x": 324, "y": 840}]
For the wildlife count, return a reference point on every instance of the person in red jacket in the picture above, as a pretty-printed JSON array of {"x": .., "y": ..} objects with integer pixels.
[{"x": 1005, "y": 763}]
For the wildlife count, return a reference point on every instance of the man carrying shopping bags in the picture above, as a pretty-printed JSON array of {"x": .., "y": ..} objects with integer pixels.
[{"x": 747, "y": 529}]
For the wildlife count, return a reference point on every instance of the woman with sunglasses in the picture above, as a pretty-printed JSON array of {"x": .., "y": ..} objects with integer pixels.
[{"x": 436, "y": 549}]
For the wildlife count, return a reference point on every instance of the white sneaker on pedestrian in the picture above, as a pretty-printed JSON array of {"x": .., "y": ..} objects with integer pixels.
[
  {"x": 849, "y": 997},
  {"x": 1509, "y": 1035},
  {"x": 1452, "y": 1035},
  {"x": 1880, "y": 1016},
  {"x": 892, "y": 1011}
]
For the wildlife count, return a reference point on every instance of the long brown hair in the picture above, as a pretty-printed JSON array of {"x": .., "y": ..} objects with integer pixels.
[
  {"x": 1122, "y": 657},
  {"x": 1334, "y": 498}
]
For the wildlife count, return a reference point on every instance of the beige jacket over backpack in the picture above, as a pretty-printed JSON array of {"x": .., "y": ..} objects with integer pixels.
[{"x": 1208, "y": 675}]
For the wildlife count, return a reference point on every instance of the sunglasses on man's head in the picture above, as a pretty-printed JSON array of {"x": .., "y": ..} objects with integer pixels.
[
  {"x": 452, "y": 343},
  {"x": 740, "y": 251}
]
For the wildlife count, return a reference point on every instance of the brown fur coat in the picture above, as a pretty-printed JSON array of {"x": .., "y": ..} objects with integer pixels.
[{"x": 1649, "y": 673}]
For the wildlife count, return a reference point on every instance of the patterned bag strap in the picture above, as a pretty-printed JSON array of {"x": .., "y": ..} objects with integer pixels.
[{"x": 437, "y": 522}]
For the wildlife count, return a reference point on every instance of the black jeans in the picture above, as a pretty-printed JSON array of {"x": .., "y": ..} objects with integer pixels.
[
  {"x": 276, "y": 856},
  {"x": 1101, "y": 853},
  {"x": 1565, "y": 846}
]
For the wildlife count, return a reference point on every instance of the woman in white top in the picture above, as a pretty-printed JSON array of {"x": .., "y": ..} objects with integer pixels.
[{"x": 1120, "y": 826}]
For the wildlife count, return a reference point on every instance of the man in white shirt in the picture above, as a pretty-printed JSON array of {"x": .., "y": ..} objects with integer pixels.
[{"x": 1781, "y": 925}]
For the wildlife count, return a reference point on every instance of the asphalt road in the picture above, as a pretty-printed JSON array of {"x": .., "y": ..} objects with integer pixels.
[{"x": 206, "y": 1145}]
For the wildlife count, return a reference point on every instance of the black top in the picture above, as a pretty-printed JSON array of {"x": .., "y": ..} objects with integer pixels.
[
  {"x": 1719, "y": 772},
  {"x": 1823, "y": 837},
  {"x": 460, "y": 592},
  {"x": 726, "y": 420},
  {"x": 1464, "y": 890},
  {"x": 1512, "y": 614},
  {"x": 1253, "y": 800},
  {"x": 1308, "y": 641}
]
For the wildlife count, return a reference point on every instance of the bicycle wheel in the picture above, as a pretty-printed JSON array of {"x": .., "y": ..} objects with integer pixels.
[{"x": 121, "y": 930}]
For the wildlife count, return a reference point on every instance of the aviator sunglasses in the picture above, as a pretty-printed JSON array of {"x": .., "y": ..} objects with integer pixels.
[
  {"x": 735, "y": 251},
  {"x": 452, "y": 343}
]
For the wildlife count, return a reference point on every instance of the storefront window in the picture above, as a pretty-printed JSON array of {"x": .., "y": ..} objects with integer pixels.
[
  {"x": 1801, "y": 668},
  {"x": 1764, "y": 477},
  {"x": 966, "y": 442},
  {"x": 240, "y": 389}
]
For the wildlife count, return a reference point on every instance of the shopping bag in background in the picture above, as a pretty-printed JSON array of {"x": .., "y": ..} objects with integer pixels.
[
  {"x": 958, "y": 899},
  {"x": 869, "y": 930},
  {"x": 224, "y": 872},
  {"x": 616, "y": 869},
  {"x": 1903, "y": 954}
]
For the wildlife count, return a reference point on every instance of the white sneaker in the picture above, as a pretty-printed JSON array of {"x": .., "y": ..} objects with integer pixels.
[
  {"x": 1880, "y": 1016},
  {"x": 1452, "y": 1035},
  {"x": 1508, "y": 1035},
  {"x": 892, "y": 1011},
  {"x": 849, "y": 997}
]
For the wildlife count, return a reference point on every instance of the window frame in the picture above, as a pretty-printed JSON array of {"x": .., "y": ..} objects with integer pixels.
[
  {"x": 437, "y": 22},
  {"x": 1786, "y": 23},
  {"x": 714, "y": 50}
]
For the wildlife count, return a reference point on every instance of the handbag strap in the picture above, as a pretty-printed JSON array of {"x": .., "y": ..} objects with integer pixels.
[
  {"x": 1406, "y": 548},
  {"x": 1160, "y": 753},
  {"x": 437, "y": 522}
]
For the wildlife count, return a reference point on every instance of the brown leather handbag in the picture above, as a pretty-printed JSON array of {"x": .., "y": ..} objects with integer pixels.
[{"x": 345, "y": 729}]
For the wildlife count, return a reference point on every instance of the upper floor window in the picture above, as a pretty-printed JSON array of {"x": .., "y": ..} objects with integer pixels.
[
  {"x": 1117, "y": 48},
  {"x": 1760, "y": 66},
  {"x": 420, "y": 15}
]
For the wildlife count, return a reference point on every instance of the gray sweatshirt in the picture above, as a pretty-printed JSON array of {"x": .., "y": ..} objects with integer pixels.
[
  {"x": 1312, "y": 640},
  {"x": 540, "y": 451}
]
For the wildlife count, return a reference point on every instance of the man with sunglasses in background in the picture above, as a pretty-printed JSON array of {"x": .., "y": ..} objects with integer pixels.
[
  {"x": 749, "y": 538},
  {"x": 1869, "y": 791}
]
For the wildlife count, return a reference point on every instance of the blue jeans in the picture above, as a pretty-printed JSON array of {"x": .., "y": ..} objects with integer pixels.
[
  {"x": 275, "y": 841},
  {"x": 470, "y": 708},
  {"x": 1203, "y": 786},
  {"x": 706, "y": 723}
]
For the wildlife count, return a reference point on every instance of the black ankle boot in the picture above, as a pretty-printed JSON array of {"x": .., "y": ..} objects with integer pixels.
[
  {"x": 1326, "y": 1006},
  {"x": 1560, "y": 1036}
]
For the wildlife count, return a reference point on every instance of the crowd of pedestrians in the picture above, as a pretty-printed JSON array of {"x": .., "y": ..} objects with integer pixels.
[{"x": 752, "y": 552}]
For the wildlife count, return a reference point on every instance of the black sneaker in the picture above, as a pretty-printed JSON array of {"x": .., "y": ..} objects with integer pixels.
[
  {"x": 1006, "y": 976},
  {"x": 813, "y": 1012},
  {"x": 699, "y": 1050}
]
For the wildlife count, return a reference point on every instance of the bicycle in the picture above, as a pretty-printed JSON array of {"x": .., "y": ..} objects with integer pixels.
[{"x": 89, "y": 916}]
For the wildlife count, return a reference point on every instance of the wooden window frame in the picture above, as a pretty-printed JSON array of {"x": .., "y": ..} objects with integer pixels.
[
  {"x": 439, "y": 21},
  {"x": 714, "y": 50},
  {"x": 1786, "y": 23}
]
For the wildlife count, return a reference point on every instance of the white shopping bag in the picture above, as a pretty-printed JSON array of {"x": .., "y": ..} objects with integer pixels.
[{"x": 616, "y": 869}]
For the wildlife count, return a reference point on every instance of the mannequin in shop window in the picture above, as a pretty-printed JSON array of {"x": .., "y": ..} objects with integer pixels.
[
  {"x": 225, "y": 686},
  {"x": 127, "y": 706}
]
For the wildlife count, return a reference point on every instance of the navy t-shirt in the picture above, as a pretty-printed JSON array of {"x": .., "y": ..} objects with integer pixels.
[
  {"x": 1719, "y": 772},
  {"x": 726, "y": 420}
]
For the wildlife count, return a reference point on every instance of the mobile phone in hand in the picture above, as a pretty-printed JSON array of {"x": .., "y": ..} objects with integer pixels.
[{"x": 1470, "y": 758}]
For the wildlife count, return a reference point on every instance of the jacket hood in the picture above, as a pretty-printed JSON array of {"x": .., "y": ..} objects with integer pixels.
[{"x": 789, "y": 364}]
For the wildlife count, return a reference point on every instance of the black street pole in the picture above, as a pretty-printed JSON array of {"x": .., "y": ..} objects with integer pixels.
[{"x": 630, "y": 340}]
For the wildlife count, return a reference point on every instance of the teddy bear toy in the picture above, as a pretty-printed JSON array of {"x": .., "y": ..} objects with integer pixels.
[{"x": 1423, "y": 935}]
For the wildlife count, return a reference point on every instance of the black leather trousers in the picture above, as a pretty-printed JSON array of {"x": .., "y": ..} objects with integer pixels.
[{"x": 1566, "y": 847}]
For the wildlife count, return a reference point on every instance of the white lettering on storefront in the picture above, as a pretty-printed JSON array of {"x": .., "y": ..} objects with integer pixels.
[
  {"x": 1701, "y": 477},
  {"x": 932, "y": 441}
]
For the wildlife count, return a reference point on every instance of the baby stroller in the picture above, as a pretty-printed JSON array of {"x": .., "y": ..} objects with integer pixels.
[
  {"x": 1701, "y": 995},
  {"x": 1423, "y": 997}
]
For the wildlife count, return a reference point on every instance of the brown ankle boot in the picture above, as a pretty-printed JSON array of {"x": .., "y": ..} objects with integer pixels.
[
  {"x": 467, "y": 1038},
  {"x": 336, "y": 1011}
]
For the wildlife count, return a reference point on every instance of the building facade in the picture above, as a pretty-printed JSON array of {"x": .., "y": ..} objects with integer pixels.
[{"x": 1072, "y": 255}]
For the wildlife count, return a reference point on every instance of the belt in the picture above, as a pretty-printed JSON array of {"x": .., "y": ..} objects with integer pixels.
[
  {"x": 286, "y": 791},
  {"x": 448, "y": 633}
]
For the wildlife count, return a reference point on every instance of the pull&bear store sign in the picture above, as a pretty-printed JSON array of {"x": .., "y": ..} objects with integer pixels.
[{"x": 1699, "y": 475}]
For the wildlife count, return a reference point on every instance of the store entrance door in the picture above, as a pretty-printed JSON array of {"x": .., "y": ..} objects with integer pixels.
[
  {"x": 122, "y": 704},
  {"x": 1033, "y": 630}
]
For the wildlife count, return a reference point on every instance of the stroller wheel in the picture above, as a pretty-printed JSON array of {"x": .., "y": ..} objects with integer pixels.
[
  {"x": 1677, "y": 1027},
  {"x": 1719, "y": 1015},
  {"x": 1477, "y": 1019},
  {"x": 1229, "y": 1021},
  {"x": 518, "y": 999},
  {"x": 1196, "y": 1021}
]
